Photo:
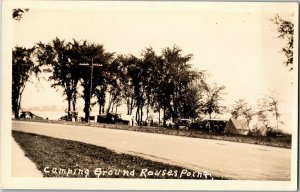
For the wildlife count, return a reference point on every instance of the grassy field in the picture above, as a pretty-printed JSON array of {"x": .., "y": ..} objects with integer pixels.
[
  {"x": 283, "y": 141},
  {"x": 65, "y": 158}
]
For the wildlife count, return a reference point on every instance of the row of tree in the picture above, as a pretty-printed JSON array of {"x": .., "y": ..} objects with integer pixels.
[
  {"x": 158, "y": 82},
  {"x": 151, "y": 82}
]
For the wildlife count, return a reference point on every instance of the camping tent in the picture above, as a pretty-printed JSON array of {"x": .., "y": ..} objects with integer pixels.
[
  {"x": 263, "y": 130},
  {"x": 236, "y": 127}
]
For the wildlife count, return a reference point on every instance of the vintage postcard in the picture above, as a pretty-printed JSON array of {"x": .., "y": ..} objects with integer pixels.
[{"x": 139, "y": 95}]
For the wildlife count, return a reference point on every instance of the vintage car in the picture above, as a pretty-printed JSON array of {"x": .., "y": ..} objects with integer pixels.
[
  {"x": 29, "y": 115},
  {"x": 213, "y": 125},
  {"x": 70, "y": 116},
  {"x": 183, "y": 123},
  {"x": 112, "y": 118}
]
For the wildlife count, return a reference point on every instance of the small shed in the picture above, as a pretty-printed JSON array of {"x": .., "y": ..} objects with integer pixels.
[{"x": 236, "y": 126}]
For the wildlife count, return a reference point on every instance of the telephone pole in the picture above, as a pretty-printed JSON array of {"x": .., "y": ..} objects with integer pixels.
[{"x": 91, "y": 65}]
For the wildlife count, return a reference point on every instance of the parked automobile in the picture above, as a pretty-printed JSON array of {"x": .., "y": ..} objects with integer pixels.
[
  {"x": 112, "y": 118},
  {"x": 71, "y": 116},
  {"x": 213, "y": 125},
  {"x": 29, "y": 115},
  {"x": 183, "y": 123}
]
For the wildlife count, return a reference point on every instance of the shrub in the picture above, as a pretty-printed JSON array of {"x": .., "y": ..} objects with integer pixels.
[{"x": 275, "y": 133}]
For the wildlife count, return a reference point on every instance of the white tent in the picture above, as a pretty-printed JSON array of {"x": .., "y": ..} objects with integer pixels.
[
  {"x": 263, "y": 130},
  {"x": 237, "y": 127}
]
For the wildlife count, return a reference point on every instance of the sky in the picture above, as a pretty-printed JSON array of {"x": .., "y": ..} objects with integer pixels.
[{"x": 235, "y": 42}]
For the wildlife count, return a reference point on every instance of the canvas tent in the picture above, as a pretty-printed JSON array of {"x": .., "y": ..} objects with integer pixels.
[
  {"x": 263, "y": 130},
  {"x": 237, "y": 127}
]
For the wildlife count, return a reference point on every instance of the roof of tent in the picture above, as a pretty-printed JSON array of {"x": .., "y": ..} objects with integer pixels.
[{"x": 237, "y": 124}]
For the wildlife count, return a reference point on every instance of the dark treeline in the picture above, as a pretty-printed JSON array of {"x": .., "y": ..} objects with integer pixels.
[{"x": 164, "y": 83}]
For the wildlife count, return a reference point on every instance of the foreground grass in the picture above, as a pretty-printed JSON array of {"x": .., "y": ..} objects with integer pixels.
[
  {"x": 65, "y": 158},
  {"x": 283, "y": 141}
]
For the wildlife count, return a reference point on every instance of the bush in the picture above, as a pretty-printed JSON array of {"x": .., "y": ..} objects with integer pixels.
[
  {"x": 275, "y": 133},
  {"x": 255, "y": 132}
]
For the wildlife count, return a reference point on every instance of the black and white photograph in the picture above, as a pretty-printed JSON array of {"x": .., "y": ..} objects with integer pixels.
[{"x": 149, "y": 95}]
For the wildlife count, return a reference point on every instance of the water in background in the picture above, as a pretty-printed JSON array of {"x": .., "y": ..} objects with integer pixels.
[
  {"x": 55, "y": 115},
  {"x": 51, "y": 115}
]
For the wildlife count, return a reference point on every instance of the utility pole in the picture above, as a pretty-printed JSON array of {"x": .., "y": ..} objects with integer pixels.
[{"x": 91, "y": 65}]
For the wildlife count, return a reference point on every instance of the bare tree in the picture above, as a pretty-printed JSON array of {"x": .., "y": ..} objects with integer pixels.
[
  {"x": 262, "y": 116},
  {"x": 242, "y": 109},
  {"x": 269, "y": 107},
  {"x": 213, "y": 96},
  {"x": 273, "y": 109},
  {"x": 237, "y": 108}
]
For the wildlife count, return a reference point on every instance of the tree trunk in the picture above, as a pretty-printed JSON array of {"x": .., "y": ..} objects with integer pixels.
[
  {"x": 137, "y": 115},
  {"x": 100, "y": 107},
  {"x": 147, "y": 113},
  {"x": 131, "y": 106},
  {"x": 141, "y": 113},
  {"x": 171, "y": 107},
  {"x": 109, "y": 107},
  {"x": 87, "y": 112},
  {"x": 164, "y": 118},
  {"x": 74, "y": 93},
  {"x": 19, "y": 105},
  {"x": 74, "y": 104},
  {"x": 16, "y": 107},
  {"x": 17, "y": 114},
  {"x": 19, "y": 102},
  {"x": 158, "y": 116},
  {"x": 69, "y": 105},
  {"x": 128, "y": 105},
  {"x": 112, "y": 107}
]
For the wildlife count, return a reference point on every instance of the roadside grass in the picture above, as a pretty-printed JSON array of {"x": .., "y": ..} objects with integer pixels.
[
  {"x": 65, "y": 158},
  {"x": 282, "y": 141}
]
